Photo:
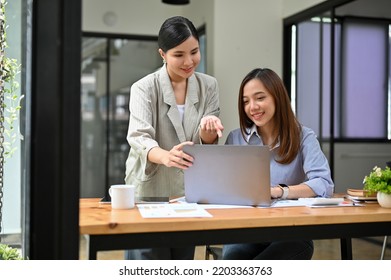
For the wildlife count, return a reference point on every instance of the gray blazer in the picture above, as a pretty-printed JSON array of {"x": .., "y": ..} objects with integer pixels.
[{"x": 155, "y": 121}]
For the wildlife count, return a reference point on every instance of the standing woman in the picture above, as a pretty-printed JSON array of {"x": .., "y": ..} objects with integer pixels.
[
  {"x": 298, "y": 167},
  {"x": 170, "y": 108}
]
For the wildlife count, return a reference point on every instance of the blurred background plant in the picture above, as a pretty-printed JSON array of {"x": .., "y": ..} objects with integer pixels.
[
  {"x": 9, "y": 99},
  {"x": 9, "y": 116}
]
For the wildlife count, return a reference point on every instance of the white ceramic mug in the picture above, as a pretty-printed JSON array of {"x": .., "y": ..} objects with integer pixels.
[{"x": 122, "y": 196}]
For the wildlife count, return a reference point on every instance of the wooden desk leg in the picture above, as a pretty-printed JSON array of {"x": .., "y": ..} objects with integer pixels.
[{"x": 346, "y": 249}]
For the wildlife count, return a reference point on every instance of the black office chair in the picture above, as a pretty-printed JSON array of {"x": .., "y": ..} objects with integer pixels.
[
  {"x": 383, "y": 250},
  {"x": 213, "y": 252}
]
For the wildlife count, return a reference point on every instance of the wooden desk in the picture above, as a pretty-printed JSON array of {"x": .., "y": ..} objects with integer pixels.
[{"x": 126, "y": 229}]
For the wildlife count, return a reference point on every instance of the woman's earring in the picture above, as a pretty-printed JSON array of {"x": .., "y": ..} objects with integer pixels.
[{"x": 164, "y": 61}]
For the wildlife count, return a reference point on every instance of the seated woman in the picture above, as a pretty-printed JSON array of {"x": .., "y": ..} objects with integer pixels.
[{"x": 298, "y": 167}]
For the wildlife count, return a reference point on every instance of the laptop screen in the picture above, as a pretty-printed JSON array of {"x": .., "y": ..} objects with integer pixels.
[{"x": 228, "y": 174}]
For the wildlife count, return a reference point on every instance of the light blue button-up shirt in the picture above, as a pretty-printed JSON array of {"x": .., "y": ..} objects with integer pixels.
[{"x": 310, "y": 166}]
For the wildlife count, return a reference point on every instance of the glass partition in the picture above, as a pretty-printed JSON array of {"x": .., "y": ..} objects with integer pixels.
[
  {"x": 110, "y": 65},
  {"x": 337, "y": 69},
  {"x": 16, "y": 134}
]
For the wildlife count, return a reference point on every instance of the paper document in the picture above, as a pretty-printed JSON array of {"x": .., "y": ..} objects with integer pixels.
[
  {"x": 287, "y": 203},
  {"x": 176, "y": 210},
  {"x": 182, "y": 200}
]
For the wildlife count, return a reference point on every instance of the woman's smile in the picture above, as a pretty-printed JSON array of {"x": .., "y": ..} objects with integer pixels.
[
  {"x": 257, "y": 116},
  {"x": 187, "y": 70}
]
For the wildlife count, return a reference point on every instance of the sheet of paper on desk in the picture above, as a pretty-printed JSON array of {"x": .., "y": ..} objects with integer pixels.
[
  {"x": 175, "y": 210},
  {"x": 222, "y": 206},
  {"x": 182, "y": 200},
  {"x": 288, "y": 203}
]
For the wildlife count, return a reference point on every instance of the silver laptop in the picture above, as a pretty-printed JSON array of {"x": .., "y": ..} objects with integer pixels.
[{"x": 228, "y": 174}]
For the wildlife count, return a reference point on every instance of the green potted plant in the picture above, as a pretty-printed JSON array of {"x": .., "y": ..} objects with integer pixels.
[
  {"x": 379, "y": 181},
  {"x": 9, "y": 253}
]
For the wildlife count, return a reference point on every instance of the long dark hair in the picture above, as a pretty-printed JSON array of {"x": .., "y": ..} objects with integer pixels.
[
  {"x": 174, "y": 31},
  {"x": 287, "y": 125}
]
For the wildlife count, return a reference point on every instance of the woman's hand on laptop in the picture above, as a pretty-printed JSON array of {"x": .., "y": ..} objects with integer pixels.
[
  {"x": 172, "y": 158},
  {"x": 178, "y": 158}
]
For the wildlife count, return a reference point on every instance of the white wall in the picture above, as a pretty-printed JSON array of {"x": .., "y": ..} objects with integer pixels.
[
  {"x": 132, "y": 16},
  {"x": 241, "y": 35},
  {"x": 248, "y": 34},
  {"x": 291, "y": 7}
]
